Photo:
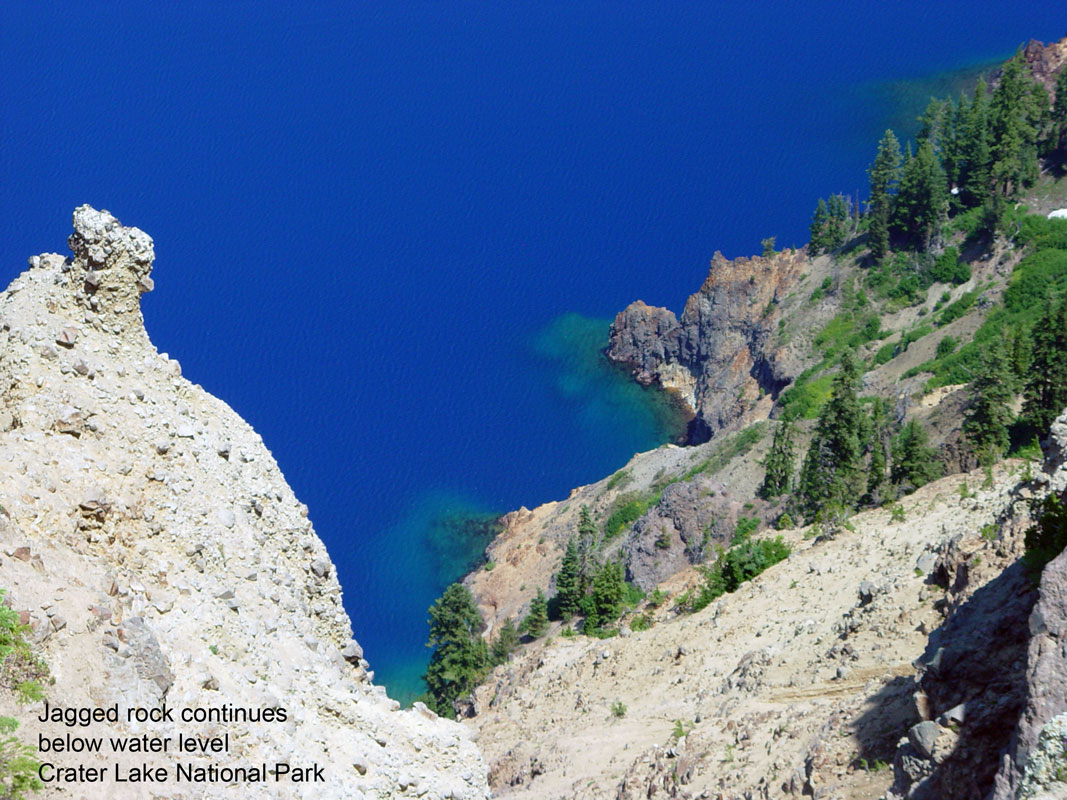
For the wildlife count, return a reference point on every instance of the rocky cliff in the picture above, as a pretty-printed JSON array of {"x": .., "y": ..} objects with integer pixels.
[
  {"x": 723, "y": 352},
  {"x": 1044, "y": 695},
  {"x": 159, "y": 557}
]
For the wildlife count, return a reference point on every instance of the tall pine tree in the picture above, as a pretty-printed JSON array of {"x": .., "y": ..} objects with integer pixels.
[
  {"x": 974, "y": 157},
  {"x": 569, "y": 588},
  {"x": 877, "y": 462},
  {"x": 818, "y": 228},
  {"x": 779, "y": 463},
  {"x": 1058, "y": 135},
  {"x": 1017, "y": 114},
  {"x": 461, "y": 656},
  {"x": 921, "y": 204},
  {"x": 915, "y": 463},
  {"x": 989, "y": 415},
  {"x": 832, "y": 474},
  {"x": 1045, "y": 392},
  {"x": 884, "y": 174},
  {"x": 535, "y": 622}
]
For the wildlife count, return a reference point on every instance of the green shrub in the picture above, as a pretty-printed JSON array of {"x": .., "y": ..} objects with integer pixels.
[
  {"x": 805, "y": 399},
  {"x": 745, "y": 527},
  {"x": 1043, "y": 233},
  {"x": 823, "y": 290},
  {"x": 642, "y": 622},
  {"x": 618, "y": 709},
  {"x": 626, "y": 511},
  {"x": 947, "y": 346},
  {"x": 1048, "y": 536},
  {"x": 745, "y": 562},
  {"x": 957, "y": 309},
  {"x": 785, "y": 523},
  {"x": 619, "y": 478},
  {"x": 732, "y": 447},
  {"x": 949, "y": 269},
  {"x": 885, "y": 354},
  {"x": 896, "y": 513},
  {"x": 23, "y": 671},
  {"x": 1033, "y": 279}
]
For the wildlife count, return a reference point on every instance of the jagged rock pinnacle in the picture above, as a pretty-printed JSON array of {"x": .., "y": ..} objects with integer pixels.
[{"x": 110, "y": 269}]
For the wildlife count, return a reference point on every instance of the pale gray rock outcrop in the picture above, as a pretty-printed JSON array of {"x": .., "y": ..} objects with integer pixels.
[{"x": 156, "y": 551}]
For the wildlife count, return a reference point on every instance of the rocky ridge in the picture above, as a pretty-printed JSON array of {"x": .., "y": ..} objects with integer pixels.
[{"x": 154, "y": 548}]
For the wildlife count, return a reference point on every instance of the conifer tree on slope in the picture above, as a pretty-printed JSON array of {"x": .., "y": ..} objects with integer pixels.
[
  {"x": 460, "y": 655},
  {"x": 1016, "y": 116},
  {"x": 915, "y": 463},
  {"x": 587, "y": 536},
  {"x": 987, "y": 419},
  {"x": 817, "y": 229},
  {"x": 779, "y": 463},
  {"x": 1058, "y": 136},
  {"x": 506, "y": 642},
  {"x": 832, "y": 474},
  {"x": 921, "y": 204},
  {"x": 884, "y": 173},
  {"x": 877, "y": 463},
  {"x": 1045, "y": 393},
  {"x": 974, "y": 154},
  {"x": 569, "y": 590},
  {"x": 536, "y": 621}
]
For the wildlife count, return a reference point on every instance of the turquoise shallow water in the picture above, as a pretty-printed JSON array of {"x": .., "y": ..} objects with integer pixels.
[{"x": 373, "y": 223}]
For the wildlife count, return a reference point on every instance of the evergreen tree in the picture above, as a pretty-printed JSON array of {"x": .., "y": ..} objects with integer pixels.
[
  {"x": 987, "y": 419},
  {"x": 936, "y": 123},
  {"x": 1020, "y": 354},
  {"x": 609, "y": 588},
  {"x": 914, "y": 462},
  {"x": 832, "y": 471},
  {"x": 921, "y": 204},
  {"x": 830, "y": 225},
  {"x": 884, "y": 174},
  {"x": 949, "y": 147},
  {"x": 1058, "y": 133},
  {"x": 818, "y": 228},
  {"x": 587, "y": 541},
  {"x": 460, "y": 656},
  {"x": 877, "y": 463},
  {"x": 536, "y": 621},
  {"x": 1045, "y": 392},
  {"x": 839, "y": 219},
  {"x": 779, "y": 463},
  {"x": 974, "y": 156},
  {"x": 569, "y": 582},
  {"x": 506, "y": 642},
  {"x": 1016, "y": 115}
]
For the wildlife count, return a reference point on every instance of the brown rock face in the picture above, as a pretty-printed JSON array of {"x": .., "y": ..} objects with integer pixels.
[
  {"x": 1045, "y": 61},
  {"x": 720, "y": 353}
]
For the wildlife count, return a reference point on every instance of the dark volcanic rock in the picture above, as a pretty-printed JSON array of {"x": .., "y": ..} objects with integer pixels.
[{"x": 1046, "y": 659}]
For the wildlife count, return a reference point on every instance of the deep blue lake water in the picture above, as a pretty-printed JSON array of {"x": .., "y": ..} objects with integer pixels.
[{"x": 391, "y": 237}]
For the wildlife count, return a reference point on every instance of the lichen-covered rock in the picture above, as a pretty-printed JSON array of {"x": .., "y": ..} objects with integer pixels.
[{"x": 1045, "y": 777}]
